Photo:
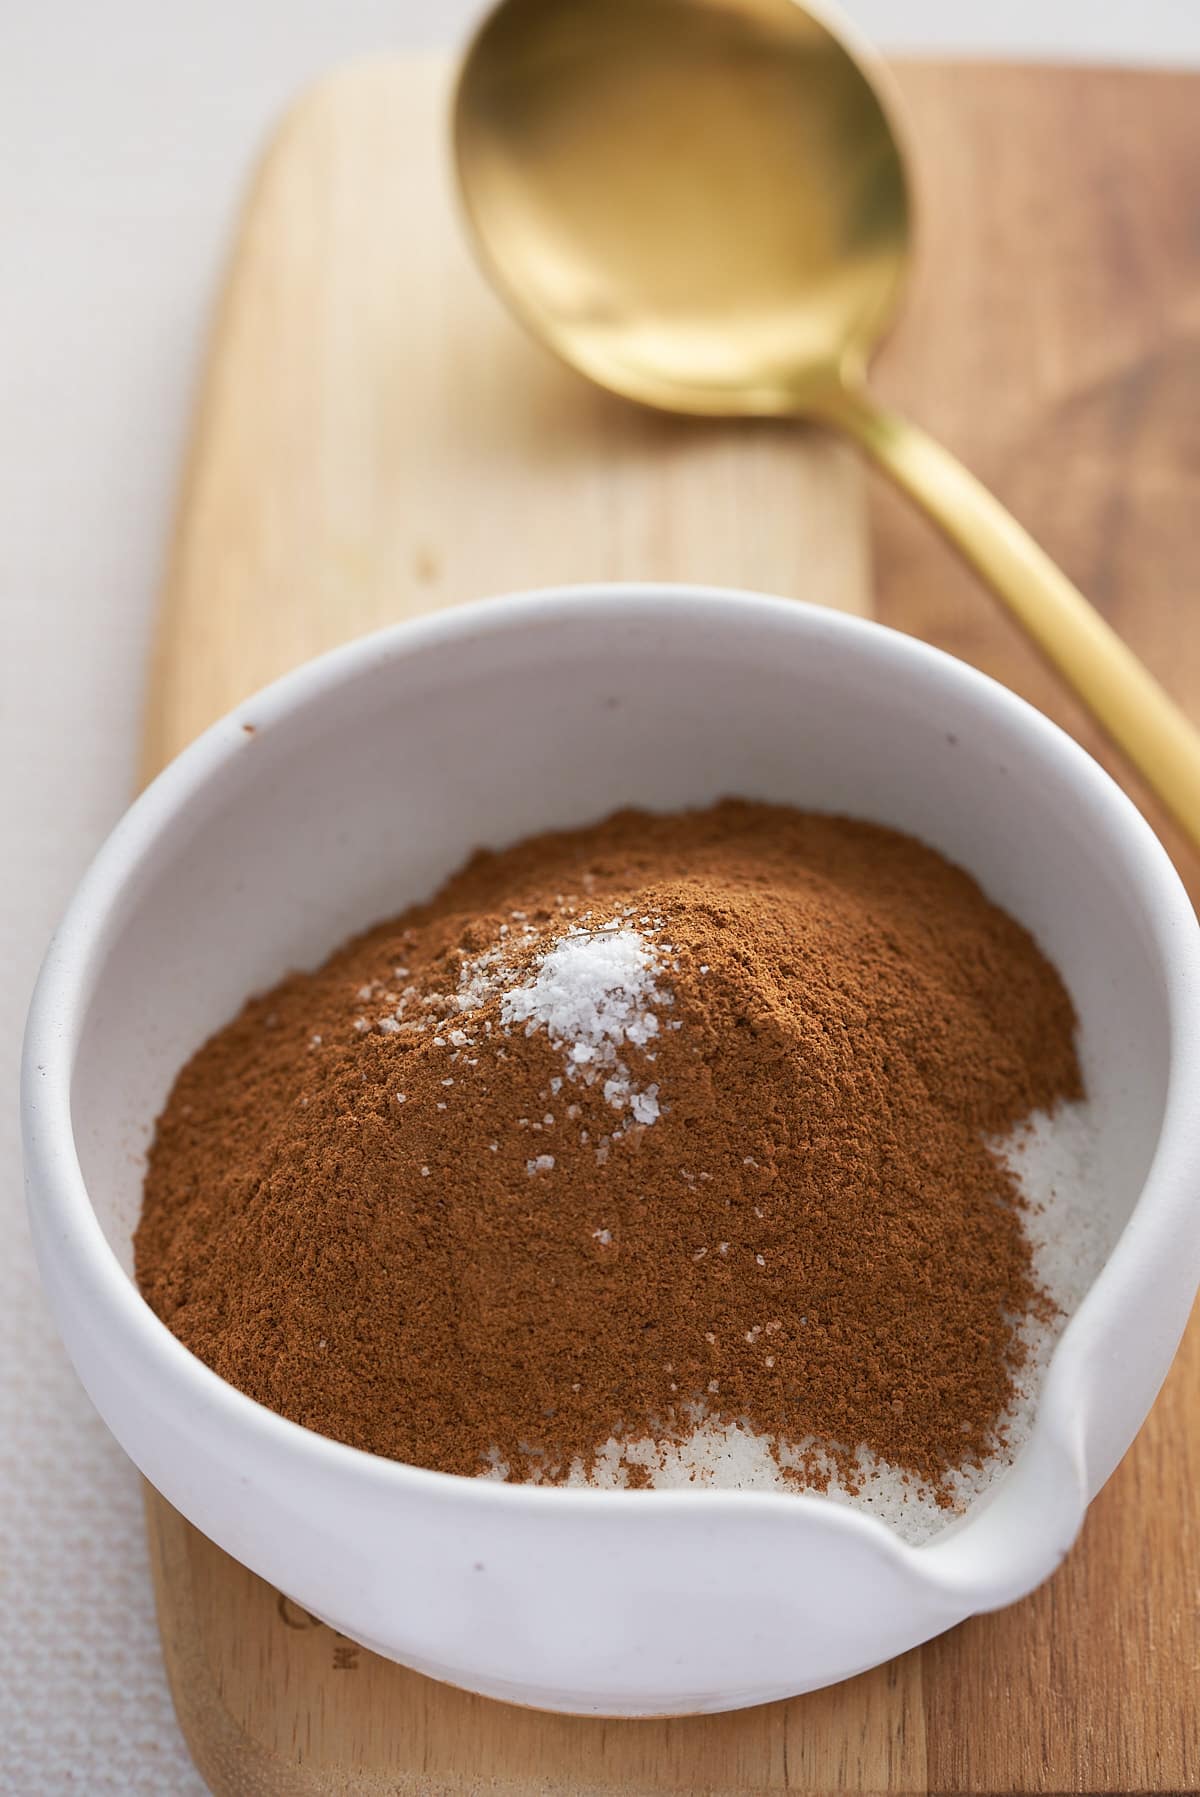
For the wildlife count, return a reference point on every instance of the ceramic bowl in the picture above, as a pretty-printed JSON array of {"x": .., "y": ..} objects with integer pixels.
[{"x": 352, "y": 787}]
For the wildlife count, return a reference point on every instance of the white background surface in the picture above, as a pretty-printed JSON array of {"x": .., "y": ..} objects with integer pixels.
[{"x": 128, "y": 128}]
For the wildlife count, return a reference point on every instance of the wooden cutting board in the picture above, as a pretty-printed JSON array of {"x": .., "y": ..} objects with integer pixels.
[{"x": 375, "y": 438}]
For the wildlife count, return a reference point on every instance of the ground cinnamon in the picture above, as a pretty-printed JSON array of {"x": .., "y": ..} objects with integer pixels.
[{"x": 424, "y": 1201}]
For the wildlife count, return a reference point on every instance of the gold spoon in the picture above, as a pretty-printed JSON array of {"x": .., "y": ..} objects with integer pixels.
[{"x": 702, "y": 205}]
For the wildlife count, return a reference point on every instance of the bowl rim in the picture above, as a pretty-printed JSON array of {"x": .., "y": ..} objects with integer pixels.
[{"x": 59, "y": 1200}]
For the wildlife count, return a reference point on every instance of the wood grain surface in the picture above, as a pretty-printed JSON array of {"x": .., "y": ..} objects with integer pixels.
[
  {"x": 373, "y": 438},
  {"x": 1053, "y": 339}
]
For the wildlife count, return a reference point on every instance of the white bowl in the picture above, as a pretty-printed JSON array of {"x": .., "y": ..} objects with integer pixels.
[{"x": 367, "y": 777}]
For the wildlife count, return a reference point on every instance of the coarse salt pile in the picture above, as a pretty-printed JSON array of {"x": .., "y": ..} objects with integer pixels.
[
  {"x": 592, "y": 989},
  {"x": 592, "y": 993}
]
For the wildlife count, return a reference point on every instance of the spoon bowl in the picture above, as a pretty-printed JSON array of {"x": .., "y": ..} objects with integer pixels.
[
  {"x": 703, "y": 205},
  {"x": 698, "y": 242}
]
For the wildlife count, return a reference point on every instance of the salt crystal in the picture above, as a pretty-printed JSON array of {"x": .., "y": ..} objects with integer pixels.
[
  {"x": 644, "y": 1105},
  {"x": 314, "y": 1041},
  {"x": 760, "y": 1259},
  {"x": 459, "y": 1038},
  {"x": 361, "y": 1024},
  {"x": 479, "y": 978},
  {"x": 424, "y": 1172},
  {"x": 603, "y": 1236},
  {"x": 541, "y": 1163},
  {"x": 401, "y": 1097},
  {"x": 390, "y": 1026},
  {"x": 448, "y": 1082}
]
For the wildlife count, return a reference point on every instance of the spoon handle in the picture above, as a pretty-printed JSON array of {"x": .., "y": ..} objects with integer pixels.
[{"x": 1104, "y": 672}]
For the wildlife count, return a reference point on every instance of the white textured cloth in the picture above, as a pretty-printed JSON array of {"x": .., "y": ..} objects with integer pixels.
[{"x": 128, "y": 128}]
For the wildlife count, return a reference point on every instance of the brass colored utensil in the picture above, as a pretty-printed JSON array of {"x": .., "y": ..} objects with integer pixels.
[{"x": 702, "y": 205}]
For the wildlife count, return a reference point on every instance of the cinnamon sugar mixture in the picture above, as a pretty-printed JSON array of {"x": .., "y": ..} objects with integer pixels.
[{"x": 669, "y": 1124}]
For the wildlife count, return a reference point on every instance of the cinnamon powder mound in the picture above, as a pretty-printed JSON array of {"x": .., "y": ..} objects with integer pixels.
[{"x": 666, "y": 1119}]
